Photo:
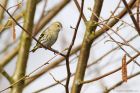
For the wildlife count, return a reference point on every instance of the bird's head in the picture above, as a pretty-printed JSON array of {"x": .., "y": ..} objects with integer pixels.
[{"x": 58, "y": 25}]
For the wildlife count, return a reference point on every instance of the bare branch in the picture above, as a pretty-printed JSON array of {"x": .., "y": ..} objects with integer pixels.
[
  {"x": 121, "y": 82},
  {"x": 132, "y": 16},
  {"x": 30, "y": 34},
  {"x": 109, "y": 73},
  {"x": 70, "y": 47},
  {"x": 85, "y": 48},
  {"x": 79, "y": 8}
]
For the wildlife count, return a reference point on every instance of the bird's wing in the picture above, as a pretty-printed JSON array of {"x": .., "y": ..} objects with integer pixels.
[{"x": 41, "y": 36}]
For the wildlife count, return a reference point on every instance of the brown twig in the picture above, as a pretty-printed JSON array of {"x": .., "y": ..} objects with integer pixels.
[
  {"x": 49, "y": 67},
  {"x": 123, "y": 48},
  {"x": 30, "y": 34},
  {"x": 123, "y": 21},
  {"x": 89, "y": 37},
  {"x": 59, "y": 82},
  {"x": 13, "y": 84},
  {"x": 89, "y": 65},
  {"x": 112, "y": 13},
  {"x": 25, "y": 43},
  {"x": 70, "y": 47},
  {"x": 112, "y": 22},
  {"x": 138, "y": 10},
  {"x": 109, "y": 73},
  {"x": 47, "y": 19},
  {"x": 27, "y": 76},
  {"x": 101, "y": 31},
  {"x": 121, "y": 82},
  {"x": 35, "y": 31},
  {"x": 132, "y": 16},
  {"x": 117, "y": 42},
  {"x": 52, "y": 13},
  {"x": 79, "y": 9}
]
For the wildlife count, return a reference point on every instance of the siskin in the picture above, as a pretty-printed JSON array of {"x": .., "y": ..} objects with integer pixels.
[{"x": 49, "y": 36}]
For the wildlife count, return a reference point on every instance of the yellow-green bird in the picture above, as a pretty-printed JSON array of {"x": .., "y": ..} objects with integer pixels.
[{"x": 49, "y": 36}]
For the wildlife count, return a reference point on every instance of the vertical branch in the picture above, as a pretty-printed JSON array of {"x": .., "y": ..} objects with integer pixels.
[
  {"x": 4, "y": 3},
  {"x": 138, "y": 10},
  {"x": 132, "y": 16},
  {"x": 30, "y": 34},
  {"x": 24, "y": 47},
  {"x": 70, "y": 47},
  {"x": 85, "y": 49},
  {"x": 79, "y": 9},
  {"x": 13, "y": 53},
  {"x": 98, "y": 33},
  {"x": 112, "y": 22}
]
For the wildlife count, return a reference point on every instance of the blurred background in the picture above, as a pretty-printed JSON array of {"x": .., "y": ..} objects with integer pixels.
[{"x": 105, "y": 54}]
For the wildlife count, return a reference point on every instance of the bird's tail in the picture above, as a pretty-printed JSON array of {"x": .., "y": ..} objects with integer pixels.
[{"x": 34, "y": 49}]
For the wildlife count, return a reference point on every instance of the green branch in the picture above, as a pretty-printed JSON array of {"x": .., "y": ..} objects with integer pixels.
[
  {"x": 24, "y": 47},
  {"x": 85, "y": 48}
]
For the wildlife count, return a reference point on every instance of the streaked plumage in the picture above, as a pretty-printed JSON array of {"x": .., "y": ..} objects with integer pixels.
[{"x": 49, "y": 36}]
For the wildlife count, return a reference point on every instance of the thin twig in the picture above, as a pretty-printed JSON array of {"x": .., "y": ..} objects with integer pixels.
[
  {"x": 112, "y": 13},
  {"x": 53, "y": 50},
  {"x": 59, "y": 82},
  {"x": 79, "y": 9},
  {"x": 121, "y": 38},
  {"x": 111, "y": 23},
  {"x": 138, "y": 10},
  {"x": 121, "y": 82},
  {"x": 123, "y": 21},
  {"x": 109, "y": 73},
  {"x": 89, "y": 65},
  {"x": 27, "y": 76},
  {"x": 35, "y": 31},
  {"x": 132, "y": 16},
  {"x": 52, "y": 13},
  {"x": 89, "y": 37},
  {"x": 18, "y": 81},
  {"x": 123, "y": 48},
  {"x": 70, "y": 47}
]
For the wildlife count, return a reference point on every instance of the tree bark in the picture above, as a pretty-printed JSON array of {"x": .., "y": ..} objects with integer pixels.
[
  {"x": 86, "y": 45},
  {"x": 24, "y": 47}
]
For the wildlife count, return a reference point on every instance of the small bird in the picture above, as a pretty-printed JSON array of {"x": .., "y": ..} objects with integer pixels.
[{"x": 49, "y": 36}]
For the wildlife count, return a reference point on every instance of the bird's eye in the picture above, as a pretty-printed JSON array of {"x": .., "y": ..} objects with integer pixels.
[{"x": 58, "y": 25}]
